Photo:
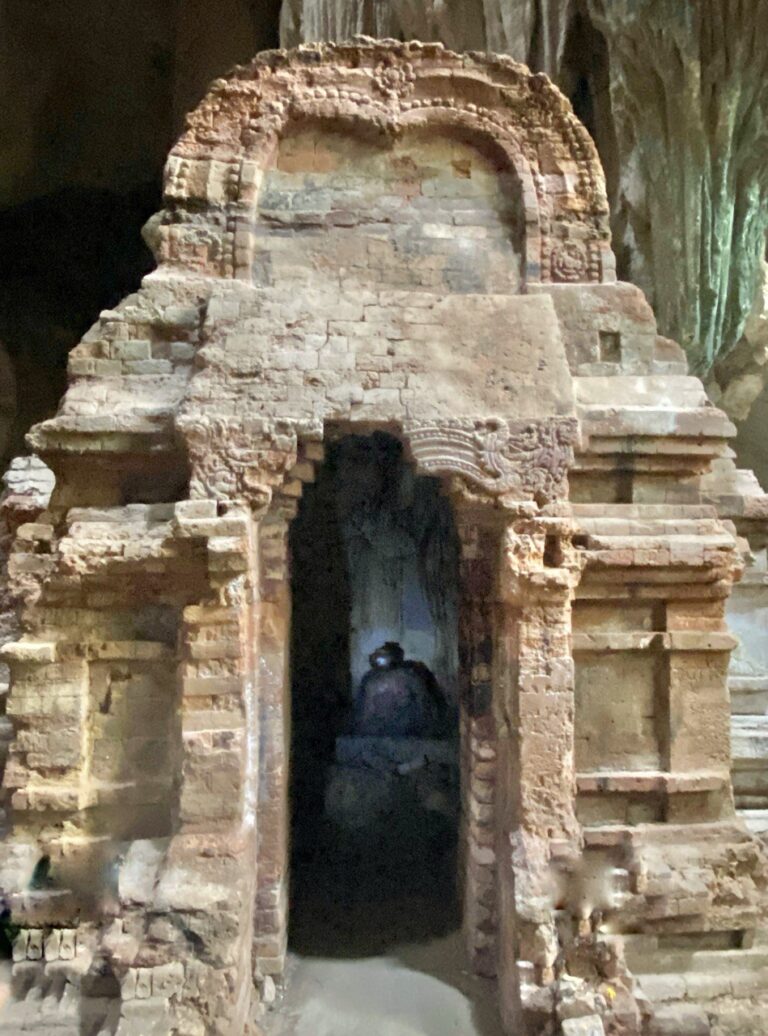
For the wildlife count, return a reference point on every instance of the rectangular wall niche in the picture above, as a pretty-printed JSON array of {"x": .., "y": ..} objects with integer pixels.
[
  {"x": 622, "y": 707},
  {"x": 423, "y": 213},
  {"x": 617, "y": 704},
  {"x": 134, "y": 731}
]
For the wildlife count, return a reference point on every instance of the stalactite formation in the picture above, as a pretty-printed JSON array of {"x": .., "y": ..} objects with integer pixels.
[{"x": 689, "y": 93}]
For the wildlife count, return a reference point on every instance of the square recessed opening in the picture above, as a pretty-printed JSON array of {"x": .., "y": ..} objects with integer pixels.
[{"x": 610, "y": 347}]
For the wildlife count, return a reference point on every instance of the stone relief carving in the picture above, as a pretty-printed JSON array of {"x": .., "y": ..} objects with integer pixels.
[
  {"x": 569, "y": 263},
  {"x": 394, "y": 79},
  {"x": 51, "y": 944},
  {"x": 230, "y": 461},
  {"x": 529, "y": 459}
]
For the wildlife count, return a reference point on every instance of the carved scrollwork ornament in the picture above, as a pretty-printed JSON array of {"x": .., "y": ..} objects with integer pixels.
[
  {"x": 382, "y": 82},
  {"x": 527, "y": 460}
]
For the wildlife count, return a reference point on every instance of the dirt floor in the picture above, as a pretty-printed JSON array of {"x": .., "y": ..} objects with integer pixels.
[
  {"x": 415, "y": 990},
  {"x": 376, "y": 946}
]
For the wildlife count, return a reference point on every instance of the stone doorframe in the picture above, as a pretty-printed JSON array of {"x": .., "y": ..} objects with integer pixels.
[{"x": 518, "y": 572}]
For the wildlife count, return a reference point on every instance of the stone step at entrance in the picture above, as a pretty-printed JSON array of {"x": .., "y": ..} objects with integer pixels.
[
  {"x": 749, "y": 696},
  {"x": 749, "y": 761},
  {"x": 756, "y": 820},
  {"x": 692, "y": 990}
]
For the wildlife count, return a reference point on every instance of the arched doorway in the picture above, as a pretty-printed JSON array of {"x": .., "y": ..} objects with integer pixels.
[{"x": 375, "y": 766}]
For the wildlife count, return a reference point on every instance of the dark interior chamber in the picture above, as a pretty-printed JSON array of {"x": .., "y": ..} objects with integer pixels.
[{"x": 374, "y": 582}]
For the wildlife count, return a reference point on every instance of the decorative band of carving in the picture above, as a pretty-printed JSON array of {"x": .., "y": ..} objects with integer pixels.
[{"x": 526, "y": 459}]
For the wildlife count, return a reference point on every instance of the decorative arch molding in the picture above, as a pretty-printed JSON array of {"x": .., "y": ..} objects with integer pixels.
[{"x": 384, "y": 88}]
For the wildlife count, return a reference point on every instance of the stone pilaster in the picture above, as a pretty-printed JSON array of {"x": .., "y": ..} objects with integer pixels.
[
  {"x": 216, "y": 675},
  {"x": 271, "y": 906},
  {"x": 534, "y": 704},
  {"x": 479, "y": 550}
]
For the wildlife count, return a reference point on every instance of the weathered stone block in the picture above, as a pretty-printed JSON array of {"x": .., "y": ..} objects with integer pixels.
[{"x": 591, "y": 1025}]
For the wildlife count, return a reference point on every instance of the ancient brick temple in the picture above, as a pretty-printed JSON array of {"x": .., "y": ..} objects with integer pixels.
[{"x": 381, "y": 239}]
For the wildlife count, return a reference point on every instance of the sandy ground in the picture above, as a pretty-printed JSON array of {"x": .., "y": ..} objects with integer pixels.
[
  {"x": 415, "y": 990},
  {"x": 376, "y": 947}
]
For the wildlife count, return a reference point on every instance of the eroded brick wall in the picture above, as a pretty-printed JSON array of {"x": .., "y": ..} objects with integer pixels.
[{"x": 420, "y": 213}]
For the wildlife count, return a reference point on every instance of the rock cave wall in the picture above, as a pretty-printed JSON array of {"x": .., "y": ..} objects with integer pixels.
[
  {"x": 388, "y": 550},
  {"x": 82, "y": 145}
]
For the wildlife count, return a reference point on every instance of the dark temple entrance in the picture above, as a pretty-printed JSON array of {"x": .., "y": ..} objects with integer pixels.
[{"x": 374, "y": 686}]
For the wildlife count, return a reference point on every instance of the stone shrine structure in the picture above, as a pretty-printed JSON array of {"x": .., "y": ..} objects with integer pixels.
[{"x": 360, "y": 238}]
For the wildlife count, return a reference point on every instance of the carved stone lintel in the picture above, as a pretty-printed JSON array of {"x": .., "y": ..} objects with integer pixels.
[{"x": 529, "y": 460}]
